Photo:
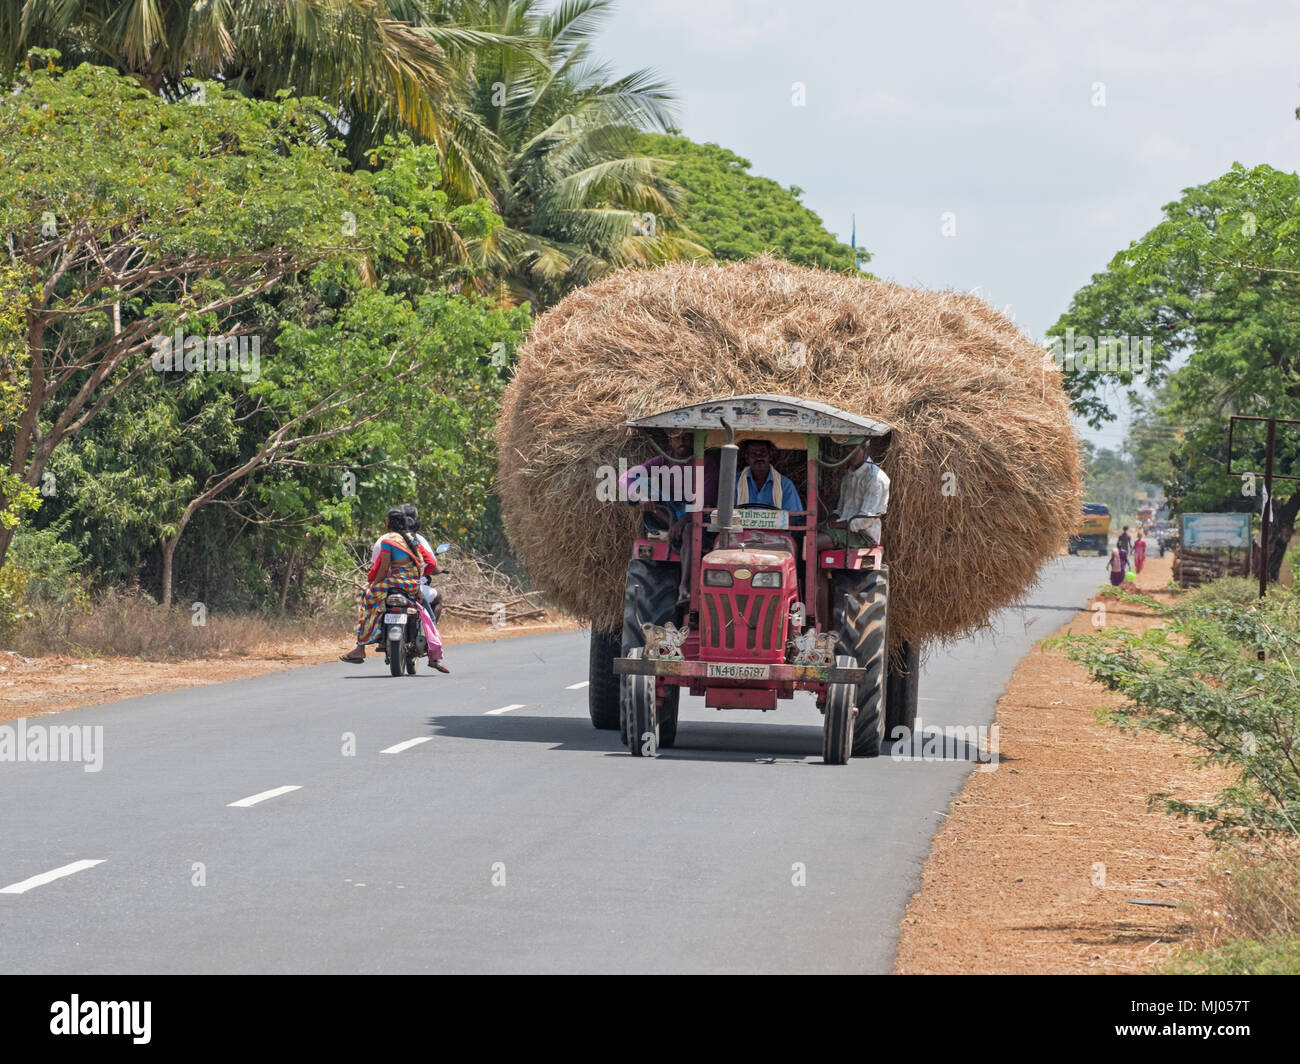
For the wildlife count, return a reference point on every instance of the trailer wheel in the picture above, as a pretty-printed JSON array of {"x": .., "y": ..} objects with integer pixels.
[
  {"x": 860, "y": 609},
  {"x": 837, "y": 728},
  {"x": 602, "y": 684},
  {"x": 642, "y": 720},
  {"x": 901, "y": 693}
]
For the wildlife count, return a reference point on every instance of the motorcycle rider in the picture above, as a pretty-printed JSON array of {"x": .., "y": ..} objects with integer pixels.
[
  {"x": 397, "y": 568},
  {"x": 431, "y": 612}
]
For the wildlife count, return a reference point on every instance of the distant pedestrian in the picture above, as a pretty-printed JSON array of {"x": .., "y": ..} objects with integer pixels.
[
  {"x": 1139, "y": 552},
  {"x": 1116, "y": 567},
  {"x": 1125, "y": 544}
]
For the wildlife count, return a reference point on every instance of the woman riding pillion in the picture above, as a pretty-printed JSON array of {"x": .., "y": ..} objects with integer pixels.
[{"x": 397, "y": 568}]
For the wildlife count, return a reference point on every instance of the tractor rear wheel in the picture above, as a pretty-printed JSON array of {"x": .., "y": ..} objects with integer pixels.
[
  {"x": 602, "y": 684},
  {"x": 901, "y": 693},
  {"x": 860, "y": 609},
  {"x": 837, "y": 728},
  {"x": 650, "y": 597}
]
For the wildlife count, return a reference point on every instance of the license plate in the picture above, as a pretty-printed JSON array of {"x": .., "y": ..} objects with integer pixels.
[
  {"x": 394, "y": 618},
  {"x": 728, "y": 671}
]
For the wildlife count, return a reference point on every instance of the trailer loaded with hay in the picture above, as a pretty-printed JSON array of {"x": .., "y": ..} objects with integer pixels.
[{"x": 977, "y": 444}]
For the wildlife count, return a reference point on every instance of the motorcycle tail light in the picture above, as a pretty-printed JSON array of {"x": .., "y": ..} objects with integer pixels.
[{"x": 397, "y": 600}]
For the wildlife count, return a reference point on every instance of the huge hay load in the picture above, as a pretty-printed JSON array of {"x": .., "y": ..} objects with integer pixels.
[{"x": 983, "y": 461}]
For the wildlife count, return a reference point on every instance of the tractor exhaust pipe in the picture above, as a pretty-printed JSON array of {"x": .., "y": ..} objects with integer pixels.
[{"x": 727, "y": 480}]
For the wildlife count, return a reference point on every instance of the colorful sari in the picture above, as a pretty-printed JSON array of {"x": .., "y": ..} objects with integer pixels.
[{"x": 403, "y": 575}]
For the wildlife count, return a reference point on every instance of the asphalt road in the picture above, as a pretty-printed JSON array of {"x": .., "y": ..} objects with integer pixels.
[{"x": 504, "y": 840}]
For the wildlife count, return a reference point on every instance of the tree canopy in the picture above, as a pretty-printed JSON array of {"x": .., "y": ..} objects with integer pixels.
[
  {"x": 737, "y": 214},
  {"x": 1215, "y": 289}
]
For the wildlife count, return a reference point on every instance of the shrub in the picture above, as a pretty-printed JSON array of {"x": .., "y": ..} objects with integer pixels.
[{"x": 1200, "y": 679}]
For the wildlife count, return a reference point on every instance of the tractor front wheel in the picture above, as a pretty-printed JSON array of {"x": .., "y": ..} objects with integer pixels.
[
  {"x": 837, "y": 728},
  {"x": 641, "y": 719}
]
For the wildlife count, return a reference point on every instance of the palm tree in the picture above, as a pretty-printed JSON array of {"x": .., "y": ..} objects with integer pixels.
[
  {"x": 576, "y": 198},
  {"x": 385, "y": 64}
]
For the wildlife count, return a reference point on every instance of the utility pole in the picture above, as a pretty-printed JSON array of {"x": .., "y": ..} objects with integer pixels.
[{"x": 1266, "y": 517}]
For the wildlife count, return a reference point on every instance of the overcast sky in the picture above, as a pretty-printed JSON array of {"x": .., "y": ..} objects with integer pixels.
[{"x": 987, "y": 110}]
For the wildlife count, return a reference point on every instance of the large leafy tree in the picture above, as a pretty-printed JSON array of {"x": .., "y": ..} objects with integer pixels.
[
  {"x": 738, "y": 214},
  {"x": 382, "y": 65},
  {"x": 577, "y": 197},
  {"x": 129, "y": 218},
  {"x": 1216, "y": 288}
]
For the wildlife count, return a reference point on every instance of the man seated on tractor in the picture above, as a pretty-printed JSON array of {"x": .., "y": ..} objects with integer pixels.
[
  {"x": 758, "y": 484},
  {"x": 864, "y": 494},
  {"x": 640, "y": 485},
  {"x": 667, "y": 500}
]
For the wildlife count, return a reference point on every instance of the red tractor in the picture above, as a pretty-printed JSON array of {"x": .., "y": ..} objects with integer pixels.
[{"x": 767, "y": 612}]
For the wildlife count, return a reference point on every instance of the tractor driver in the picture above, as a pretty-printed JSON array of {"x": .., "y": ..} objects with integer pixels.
[{"x": 759, "y": 484}]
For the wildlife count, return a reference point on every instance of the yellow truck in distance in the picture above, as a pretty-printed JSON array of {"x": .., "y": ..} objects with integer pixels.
[{"x": 1093, "y": 529}]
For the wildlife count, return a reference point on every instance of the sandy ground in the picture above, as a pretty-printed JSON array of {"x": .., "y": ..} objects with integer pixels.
[
  {"x": 1036, "y": 866},
  {"x": 33, "y": 687}
]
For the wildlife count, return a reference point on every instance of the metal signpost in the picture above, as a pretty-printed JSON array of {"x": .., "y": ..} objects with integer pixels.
[{"x": 1269, "y": 477}]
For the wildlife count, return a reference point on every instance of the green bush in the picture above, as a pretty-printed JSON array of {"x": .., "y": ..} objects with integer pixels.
[
  {"x": 13, "y": 585},
  {"x": 1237, "y": 590},
  {"x": 1241, "y": 957},
  {"x": 1199, "y": 679},
  {"x": 52, "y": 566}
]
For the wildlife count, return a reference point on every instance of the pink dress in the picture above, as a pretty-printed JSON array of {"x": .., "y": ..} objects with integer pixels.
[
  {"x": 1116, "y": 567},
  {"x": 1139, "y": 554}
]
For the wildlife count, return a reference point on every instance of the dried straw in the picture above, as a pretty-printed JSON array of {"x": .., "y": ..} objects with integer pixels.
[{"x": 967, "y": 393}]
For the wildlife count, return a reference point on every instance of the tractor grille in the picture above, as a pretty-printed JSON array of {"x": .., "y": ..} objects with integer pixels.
[{"x": 742, "y": 622}]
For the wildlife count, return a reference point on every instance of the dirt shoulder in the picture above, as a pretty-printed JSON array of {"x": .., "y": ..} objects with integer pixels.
[
  {"x": 32, "y": 687},
  {"x": 1035, "y": 867}
]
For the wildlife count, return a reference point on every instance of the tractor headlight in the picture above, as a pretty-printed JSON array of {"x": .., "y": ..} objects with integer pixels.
[
  {"x": 768, "y": 579},
  {"x": 717, "y": 578}
]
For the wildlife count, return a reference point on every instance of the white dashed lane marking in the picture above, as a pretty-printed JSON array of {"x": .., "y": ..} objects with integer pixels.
[
  {"x": 398, "y": 748},
  {"x": 577, "y": 686},
  {"x": 503, "y": 709},
  {"x": 262, "y": 796},
  {"x": 48, "y": 877}
]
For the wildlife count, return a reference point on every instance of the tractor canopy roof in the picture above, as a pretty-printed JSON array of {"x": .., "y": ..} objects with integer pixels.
[{"x": 750, "y": 414}]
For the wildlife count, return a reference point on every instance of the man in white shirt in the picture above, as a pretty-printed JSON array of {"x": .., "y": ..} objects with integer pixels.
[{"x": 864, "y": 495}]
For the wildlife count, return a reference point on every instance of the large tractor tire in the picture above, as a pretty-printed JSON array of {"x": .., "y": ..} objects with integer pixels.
[
  {"x": 602, "y": 684},
  {"x": 860, "y": 609},
  {"x": 650, "y": 597},
  {"x": 837, "y": 727},
  {"x": 901, "y": 692}
]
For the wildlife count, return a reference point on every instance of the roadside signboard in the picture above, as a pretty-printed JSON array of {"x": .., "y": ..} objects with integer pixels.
[{"x": 1200, "y": 531}]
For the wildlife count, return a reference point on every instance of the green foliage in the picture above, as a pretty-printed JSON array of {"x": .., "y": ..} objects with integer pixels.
[
  {"x": 1198, "y": 679},
  {"x": 577, "y": 197},
  {"x": 738, "y": 214},
  {"x": 1241, "y": 957},
  {"x": 1112, "y": 477},
  {"x": 386, "y": 65},
  {"x": 16, "y": 497}
]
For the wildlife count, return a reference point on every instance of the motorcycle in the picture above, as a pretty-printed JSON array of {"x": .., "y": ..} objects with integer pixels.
[{"x": 402, "y": 632}]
